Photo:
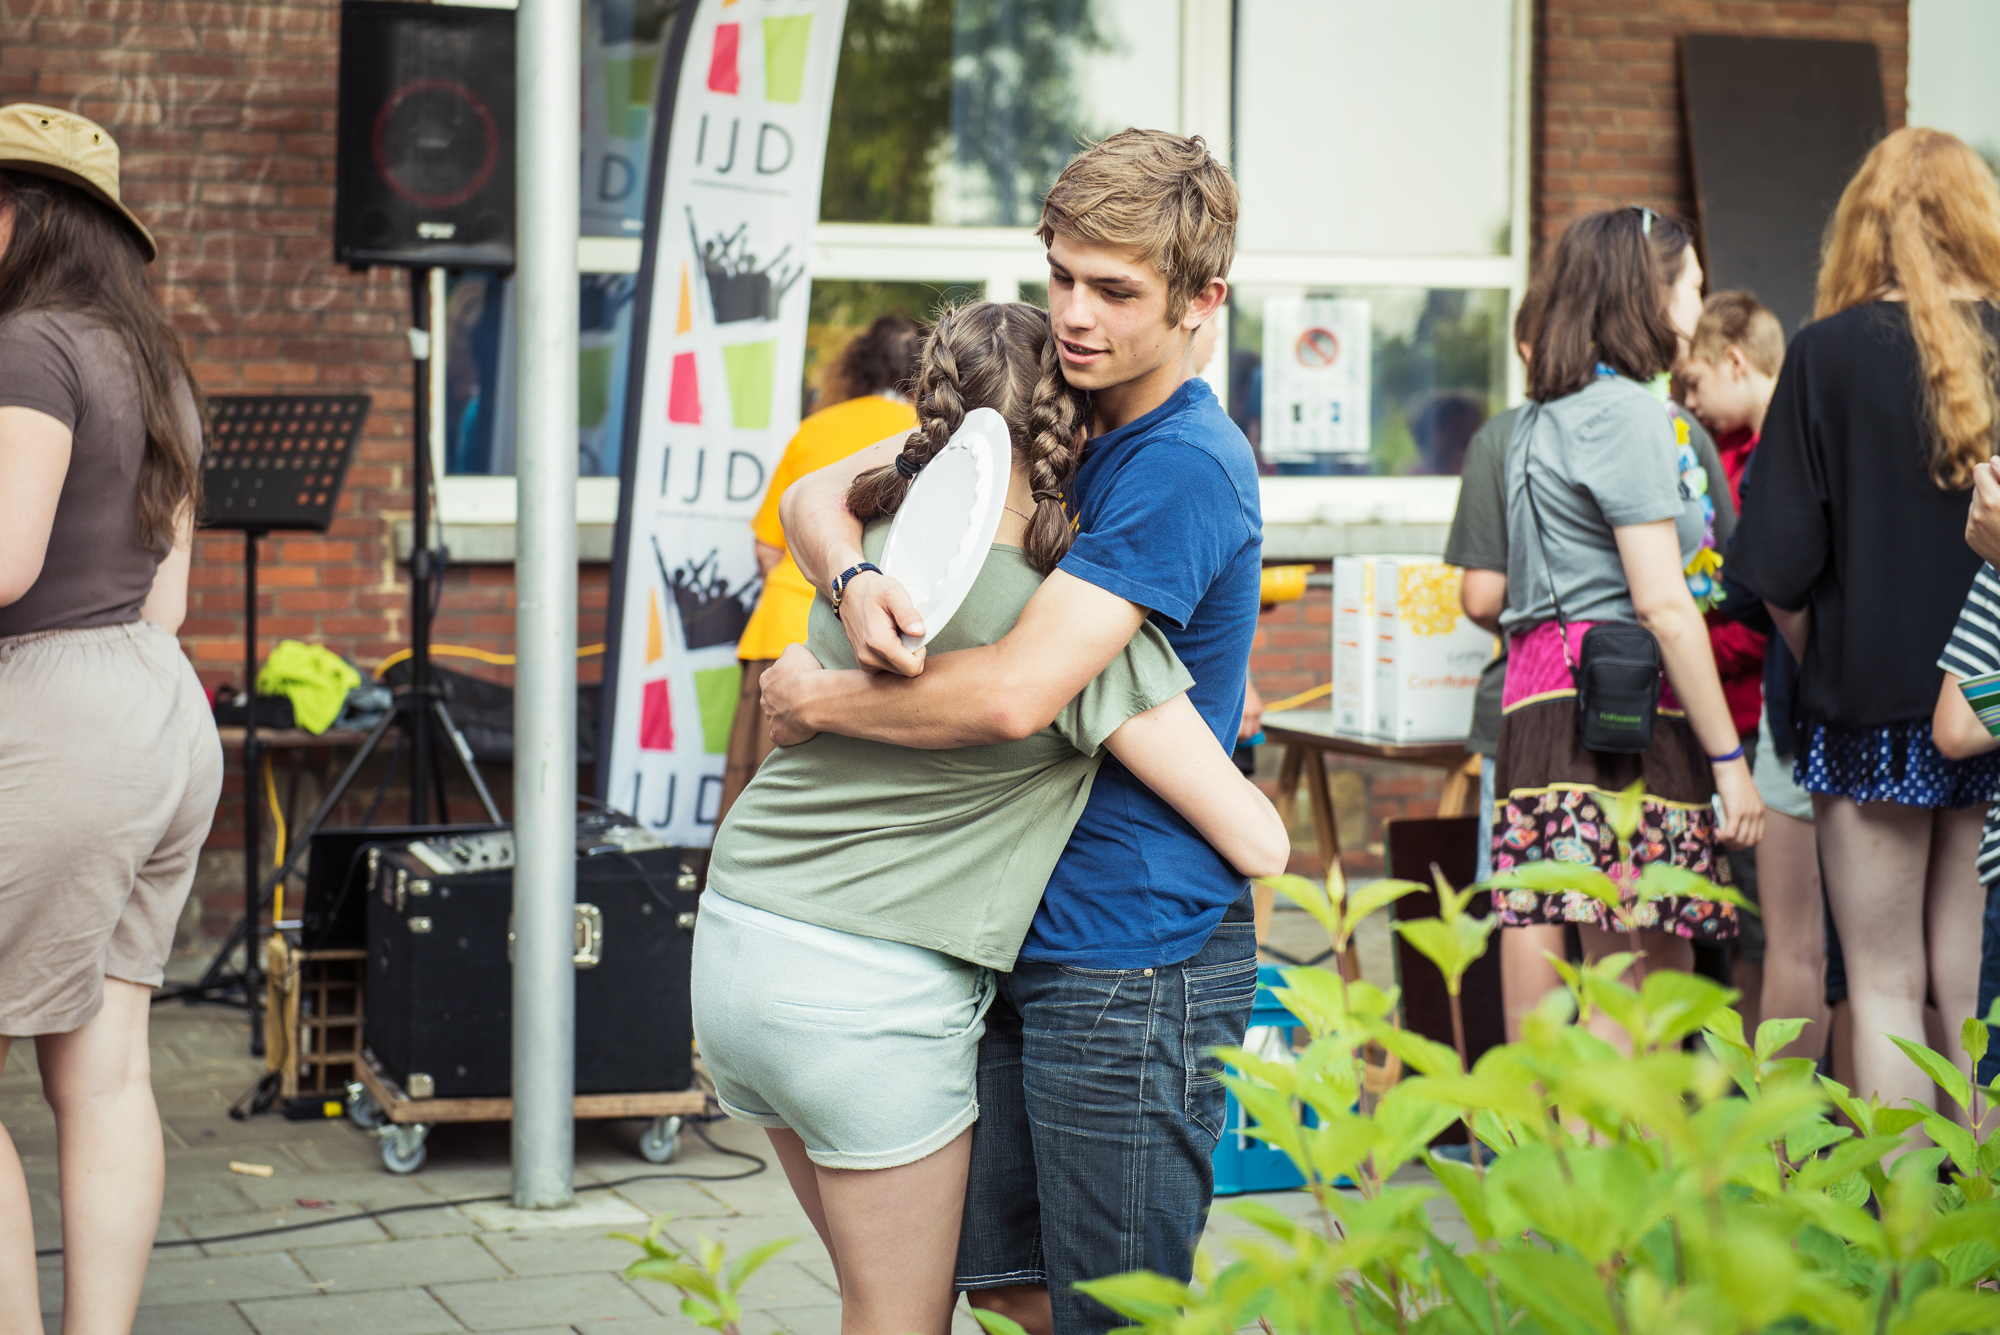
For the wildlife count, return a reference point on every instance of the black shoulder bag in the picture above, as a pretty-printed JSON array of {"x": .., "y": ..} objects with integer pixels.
[{"x": 1617, "y": 674}]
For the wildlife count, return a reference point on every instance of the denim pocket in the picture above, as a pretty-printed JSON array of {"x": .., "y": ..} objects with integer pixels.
[{"x": 1218, "y": 1007}]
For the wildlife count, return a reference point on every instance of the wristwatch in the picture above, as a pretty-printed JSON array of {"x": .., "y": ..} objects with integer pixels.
[{"x": 845, "y": 578}]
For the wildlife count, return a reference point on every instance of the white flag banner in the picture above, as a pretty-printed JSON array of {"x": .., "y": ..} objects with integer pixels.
[{"x": 719, "y": 355}]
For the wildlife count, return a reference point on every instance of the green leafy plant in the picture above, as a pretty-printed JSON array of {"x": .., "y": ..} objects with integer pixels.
[
  {"x": 708, "y": 1282},
  {"x": 1695, "y": 1184}
]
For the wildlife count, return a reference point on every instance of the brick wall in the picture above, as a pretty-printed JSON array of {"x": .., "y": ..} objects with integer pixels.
[
  {"x": 225, "y": 113},
  {"x": 1608, "y": 121}
]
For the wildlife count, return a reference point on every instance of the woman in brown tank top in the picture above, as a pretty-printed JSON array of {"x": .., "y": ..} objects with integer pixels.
[{"x": 109, "y": 763}]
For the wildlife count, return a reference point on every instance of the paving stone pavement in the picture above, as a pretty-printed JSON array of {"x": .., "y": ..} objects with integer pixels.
[{"x": 423, "y": 1271}]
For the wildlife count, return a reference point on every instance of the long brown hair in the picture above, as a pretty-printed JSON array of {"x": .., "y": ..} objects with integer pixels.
[
  {"x": 1923, "y": 215},
  {"x": 1605, "y": 300},
  {"x": 70, "y": 253},
  {"x": 998, "y": 355},
  {"x": 881, "y": 357}
]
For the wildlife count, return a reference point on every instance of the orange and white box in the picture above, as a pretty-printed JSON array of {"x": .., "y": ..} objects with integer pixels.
[
  {"x": 1354, "y": 645},
  {"x": 1427, "y": 653}
]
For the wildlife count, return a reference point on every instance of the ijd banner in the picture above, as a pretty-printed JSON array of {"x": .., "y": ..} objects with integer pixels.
[{"x": 719, "y": 352}]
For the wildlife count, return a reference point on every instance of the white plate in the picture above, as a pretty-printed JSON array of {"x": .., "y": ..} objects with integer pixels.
[{"x": 946, "y": 523}]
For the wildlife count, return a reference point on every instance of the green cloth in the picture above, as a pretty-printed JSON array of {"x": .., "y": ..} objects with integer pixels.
[
  {"x": 949, "y": 849},
  {"x": 313, "y": 677}
]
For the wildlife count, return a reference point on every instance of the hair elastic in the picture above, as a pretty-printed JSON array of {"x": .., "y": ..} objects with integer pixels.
[
  {"x": 1737, "y": 754},
  {"x": 908, "y": 469}
]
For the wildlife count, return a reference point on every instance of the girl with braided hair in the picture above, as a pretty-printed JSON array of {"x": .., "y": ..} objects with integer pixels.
[{"x": 861, "y": 894}]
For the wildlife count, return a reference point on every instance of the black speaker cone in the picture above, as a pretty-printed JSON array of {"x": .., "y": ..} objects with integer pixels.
[{"x": 435, "y": 143}]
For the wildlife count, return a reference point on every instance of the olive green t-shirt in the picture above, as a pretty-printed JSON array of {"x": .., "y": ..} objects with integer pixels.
[{"x": 947, "y": 849}]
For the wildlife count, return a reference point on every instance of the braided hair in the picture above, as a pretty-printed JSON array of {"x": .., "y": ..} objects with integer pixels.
[{"x": 998, "y": 355}]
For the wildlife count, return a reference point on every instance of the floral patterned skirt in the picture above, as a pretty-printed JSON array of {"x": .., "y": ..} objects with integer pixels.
[{"x": 1548, "y": 802}]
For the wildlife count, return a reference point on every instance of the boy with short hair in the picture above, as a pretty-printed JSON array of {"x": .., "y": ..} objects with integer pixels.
[
  {"x": 1730, "y": 374},
  {"x": 1100, "y": 1107}
]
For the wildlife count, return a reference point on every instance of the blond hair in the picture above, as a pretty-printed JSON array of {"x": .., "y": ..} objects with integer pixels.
[
  {"x": 1162, "y": 195},
  {"x": 998, "y": 355},
  {"x": 1923, "y": 216},
  {"x": 1738, "y": 320}
]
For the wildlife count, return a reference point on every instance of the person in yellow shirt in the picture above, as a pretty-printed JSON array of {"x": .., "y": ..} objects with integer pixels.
[{"x": 865, "y": 390}]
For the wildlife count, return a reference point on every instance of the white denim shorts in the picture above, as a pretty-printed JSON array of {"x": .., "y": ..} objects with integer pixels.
[
  {"x": 868, "y": 1049},
  {"x": 1773, "y": 776}
]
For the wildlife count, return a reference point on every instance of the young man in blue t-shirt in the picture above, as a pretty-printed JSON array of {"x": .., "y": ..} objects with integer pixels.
[{"x": 1099, "y": 1104}]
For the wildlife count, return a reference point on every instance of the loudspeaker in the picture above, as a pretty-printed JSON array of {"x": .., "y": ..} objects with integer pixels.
[
  {"x": 425, "y": 167},
  {"x": 440, "y": 952},
  {"x": 339, "y": 875}
]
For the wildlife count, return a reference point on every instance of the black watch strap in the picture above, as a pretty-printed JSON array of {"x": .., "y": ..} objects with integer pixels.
[{"x": 846, "y": 577}]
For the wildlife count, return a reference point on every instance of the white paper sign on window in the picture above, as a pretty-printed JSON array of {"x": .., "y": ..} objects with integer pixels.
[{"x": 1316, "y": 381}]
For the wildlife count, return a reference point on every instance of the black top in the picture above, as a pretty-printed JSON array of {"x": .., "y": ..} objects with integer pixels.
[{"x": 1844, "y": 517}]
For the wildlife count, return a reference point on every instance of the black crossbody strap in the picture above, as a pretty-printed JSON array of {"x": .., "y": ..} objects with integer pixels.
[{"x": 1535, "y": 517}]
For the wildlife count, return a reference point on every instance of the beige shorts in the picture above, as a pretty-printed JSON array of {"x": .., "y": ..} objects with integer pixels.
[{"x": 109, "y": 773}]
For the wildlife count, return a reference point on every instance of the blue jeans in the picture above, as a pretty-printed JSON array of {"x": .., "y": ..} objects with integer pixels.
[{"x": 1099, "y": 1110}]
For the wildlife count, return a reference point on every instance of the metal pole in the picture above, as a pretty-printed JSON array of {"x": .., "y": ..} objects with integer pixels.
[
  {"x": 548, "y": 67},
  {"x": 417, "y": 707},
  {"x": 253, "y": 899}
]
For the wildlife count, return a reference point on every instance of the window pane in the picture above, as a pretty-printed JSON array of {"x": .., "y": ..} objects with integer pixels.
[
  {"x": 1358, "y": 132},
  {"x": 964, "y": 111},
  {"x": 479, "y": 372},
  {"x": 623, "y": 41},
  {"x": 1437, "y": 369},
  {"x": 842, "y": 309}
]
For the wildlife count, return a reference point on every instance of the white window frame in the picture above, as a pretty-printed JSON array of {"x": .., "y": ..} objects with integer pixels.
[{"x": 1002, "y": 258}]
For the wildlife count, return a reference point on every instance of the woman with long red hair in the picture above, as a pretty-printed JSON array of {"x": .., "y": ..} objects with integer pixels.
[{"x": 1853, "y": 533}]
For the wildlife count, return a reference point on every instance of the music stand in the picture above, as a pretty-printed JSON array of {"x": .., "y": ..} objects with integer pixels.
[{"x": 273, "y": 461}]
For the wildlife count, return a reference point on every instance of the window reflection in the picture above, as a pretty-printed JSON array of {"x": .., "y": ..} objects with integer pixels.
[
  {"x": 964, "y": 111},
  {"x": 1436, "y": 368},
  {"x": 623, "y": 41},
  {"x": 479, "y": 372},
  {"x": 841, "y": 309}
]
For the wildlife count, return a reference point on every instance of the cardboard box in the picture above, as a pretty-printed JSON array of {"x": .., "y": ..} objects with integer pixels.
[
  {"x": 1428, "y": 654},
  {"x": 1354, "y": 645}
]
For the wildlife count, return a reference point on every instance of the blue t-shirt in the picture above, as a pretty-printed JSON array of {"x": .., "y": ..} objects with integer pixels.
[{"x": 1170, "y": 521}]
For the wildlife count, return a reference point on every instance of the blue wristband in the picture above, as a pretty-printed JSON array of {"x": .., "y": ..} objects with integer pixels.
[{"x": 1737, "y": 754}]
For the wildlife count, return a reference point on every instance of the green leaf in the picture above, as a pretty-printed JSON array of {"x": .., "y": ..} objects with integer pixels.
[
  {"x": 1949, "y": 1312},
  {"x": 1954, "y": 1139},
  {"x": 1468, "y": 1192},
  {"x": 1624, "y": 811},
  {"x": 1549, "y": 877},
  {"x": 995, "y": 1324},
  {"x": 1939, "y": 1068},
  {"x": 1312, "y": 897},
  {"x": 1974, "y": 1037},
  {"x": 1775, "y": 1034},
  {"x": 747, "y": 1264},
  {"x": 1420, "y": 1054},
  {"x": 1895, "y": 1121},
  {"x": 1434, "y": 939},
  {"x": 1562, "y": 1292},
  {"x": 1677, "y": 1004},
  {"x": 1468, "y": 1296},
  {"x": 1810, "y": 1140},
  {"x": 1663, "y": 880},
  {"x": 1849, "y": 1157},
  {"x": 1366, "y": 899},
  {"x": 1141, "y": 1295}
]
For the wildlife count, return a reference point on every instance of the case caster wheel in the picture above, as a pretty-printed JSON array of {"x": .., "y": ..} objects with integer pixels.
[
  {"x": 362, "y": 1109},
  {"x": 403, "y": 1147},
  {"x": 661, "y": 1139}
]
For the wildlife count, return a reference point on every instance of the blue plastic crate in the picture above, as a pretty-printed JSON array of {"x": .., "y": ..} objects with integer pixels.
[{"x": 1245, "y": 1163}]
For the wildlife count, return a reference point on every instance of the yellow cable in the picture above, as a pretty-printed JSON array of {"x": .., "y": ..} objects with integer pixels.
[
  {"x": 480, "y": 655},
  {"x": 1302, "y": 698},
  {"x": 278, "y": 848}
]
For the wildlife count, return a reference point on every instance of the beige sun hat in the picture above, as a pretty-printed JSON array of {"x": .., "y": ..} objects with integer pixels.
[{"x": 69, "y": 148}]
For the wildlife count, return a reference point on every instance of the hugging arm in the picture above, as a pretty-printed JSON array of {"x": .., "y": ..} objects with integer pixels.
[
  {"x": 824, "y": 537},
  {"x": 1001, "y": 692},
  {"x": 1171, "y": 750},
  {"x": 1955, "y": 728}
]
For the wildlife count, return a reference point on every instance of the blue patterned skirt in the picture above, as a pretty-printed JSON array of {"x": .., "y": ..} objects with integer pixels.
[{"x": 1895, "y": 763}]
